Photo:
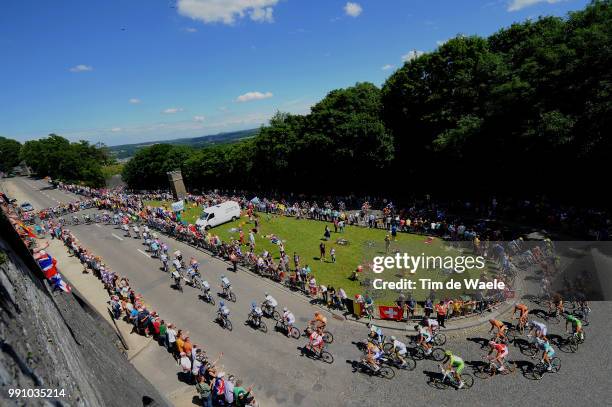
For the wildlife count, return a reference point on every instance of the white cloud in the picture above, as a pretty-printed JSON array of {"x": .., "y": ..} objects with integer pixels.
[
  {"x": 198, "y": 119},
  {"x": 387, "y": 67},
  {"x": 116, "y": 129},
  {"x": 135, "y": 101},
  {"x": 81, "y": 68},
  {"x": 412, "y": 55},
  {"x": 263, "y": 15},
  {"x": 253, "y": 96},
  {"x": 352, "y": 9},
  {"x": 515, "y": 5},
  {"x": 227, "y": 11},
  {"x": 172, "y": 110},
  {"x": 191, "y": 29}
]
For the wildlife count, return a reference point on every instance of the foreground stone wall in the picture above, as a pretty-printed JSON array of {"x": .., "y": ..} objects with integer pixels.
[{"x": 56, "y": 340}]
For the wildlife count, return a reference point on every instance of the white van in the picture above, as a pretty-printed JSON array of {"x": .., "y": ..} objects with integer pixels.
[{"x": 218, "y": 214}]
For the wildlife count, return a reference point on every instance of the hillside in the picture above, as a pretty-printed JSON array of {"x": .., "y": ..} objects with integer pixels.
[{"x": 128, "y": 150}]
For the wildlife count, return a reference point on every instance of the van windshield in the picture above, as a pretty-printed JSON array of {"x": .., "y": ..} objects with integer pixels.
[{"x": 204, "y": 215}]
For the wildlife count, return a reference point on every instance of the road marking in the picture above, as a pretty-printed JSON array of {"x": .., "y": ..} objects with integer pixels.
[
  {"x": 97, "y": 225},
  {"x": 120, "y": 238},
  {"x": 143, "y": 253}
]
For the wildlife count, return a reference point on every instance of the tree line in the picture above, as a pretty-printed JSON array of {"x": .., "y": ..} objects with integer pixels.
[
  {"x": 58, "y": 158},
  {"x": 527, "y": 109}
]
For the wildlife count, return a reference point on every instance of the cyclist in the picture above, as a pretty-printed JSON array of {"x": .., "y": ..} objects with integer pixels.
[
  {"x": 576, "y": 325},
  {"x": 523, "y": 312},
  {"x": 255, "y": 313},
  {"x": 164, "y": 248},
  {"x": 501, "y": 352},
  {"x": 373, "y": 356},
  {"x": 432, "y": 325},
  {"x": 288, "y": 319},
  {"x": 376, "y": 335},
  {"x": 194, "y": 264},
  {"x": 400, "y": 350},
  {"x": 223, "y": 312},
  {"x": 501, "y": 329},
  {"x": 155, "y": 248},
  {"x": 319, "y": 322},
  {"x": 164, "y": 260},
  {"x": 126, "y": 228},
  {"x": 556, "y": 306},
  {"x": 177, "y": 264},
  {"x": 269, "y": 303},
  {"x": 136, "y": 231},
  {"x": 455, "y": 365},
  {"x": 178, "y": 255},
  {"x": 547, "y": 352},
  {"x": 423, "y": 338},
  {"x": 315, "y": 341},
  {"x": 538, "y": 328},
  {"x": 225, "y": 285}
]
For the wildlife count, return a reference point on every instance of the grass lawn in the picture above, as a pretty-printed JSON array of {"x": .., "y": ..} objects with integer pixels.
[{"x": 304, "y": 236}]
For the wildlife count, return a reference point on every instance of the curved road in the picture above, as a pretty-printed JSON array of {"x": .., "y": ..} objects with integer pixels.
[{"x": 273, "y": 361}]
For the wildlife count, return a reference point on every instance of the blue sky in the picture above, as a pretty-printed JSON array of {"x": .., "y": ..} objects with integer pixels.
[{"x": 125, "y": 71}]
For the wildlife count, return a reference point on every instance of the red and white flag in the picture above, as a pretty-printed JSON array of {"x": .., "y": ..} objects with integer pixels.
[{"x": 386, "y": 312}]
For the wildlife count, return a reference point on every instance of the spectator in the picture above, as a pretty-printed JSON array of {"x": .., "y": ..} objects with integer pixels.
[
  {"x": 205, "y": 392},
  {"x": 441, "y": 313}
]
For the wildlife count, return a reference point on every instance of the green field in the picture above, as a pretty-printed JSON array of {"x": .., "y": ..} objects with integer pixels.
[{"x": 303, "y": 237}]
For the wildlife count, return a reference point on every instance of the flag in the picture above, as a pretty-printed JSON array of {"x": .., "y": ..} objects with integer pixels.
[
  {"x": 47, "y": 264},
  {"x": 27, "y": 229},
  {"x": 60, "y": 284},
  {"x": 386, "y": 312}
]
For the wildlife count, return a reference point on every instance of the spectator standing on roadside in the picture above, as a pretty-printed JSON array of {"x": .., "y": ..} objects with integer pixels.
[
  {"x": 441, "y": 313},
  {"x": 229, "y": 390},
  {"x": 322, "y": 251},
  {"x": 387, "y": 243},
  {"x": 205, "y": 392},
  {"x": 171, "y": 334},
  {"x": 428, "y": 307},
  {"x": 401, "y": 303}
]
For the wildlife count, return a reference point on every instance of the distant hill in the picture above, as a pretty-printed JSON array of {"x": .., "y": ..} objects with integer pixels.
[{"x": 128, "y": 150}]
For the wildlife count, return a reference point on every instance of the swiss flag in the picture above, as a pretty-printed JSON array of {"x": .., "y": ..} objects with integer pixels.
[{"x": 386, "y": 312}]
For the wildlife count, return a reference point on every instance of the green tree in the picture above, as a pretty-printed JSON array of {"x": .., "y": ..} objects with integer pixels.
[{"x": 9, "y": 154}]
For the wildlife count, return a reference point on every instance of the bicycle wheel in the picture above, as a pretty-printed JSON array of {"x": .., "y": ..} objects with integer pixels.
[
  {"x": 327, "y": 357},
  {"x": 510, "y": 367},
  {"x": 211, "y": 299},
  {"x": 483, "y": 372},
  {"x": 437, "y": 354},
  {"x": 386, "y": 372},
  {"x": 263, "y": 327},
  {"x": 555, "y": 364},
  {"x": 328, "y": 337},
  {"x": 419, "y": 353},
  {"x": 410, "y": 364},
  {"x": 537, "y": 371},
  {"x": 228, "y": 325},
  {"x": 276, "y": 315},
  {"x": 572, "y": 344},
  {"x": 295, "y": 333},
  {"x": 439, "y": 384},
  {"x": 582, "y": 338},
  {"x": 511, "y": 334},
  {"x": 232, "y": 296},
  {"x": 468, "y": 380},
  {"x": 439, "y": 339}
]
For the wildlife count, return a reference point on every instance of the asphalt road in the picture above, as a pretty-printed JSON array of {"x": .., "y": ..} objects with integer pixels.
[{"x": 282, "y": 376}]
